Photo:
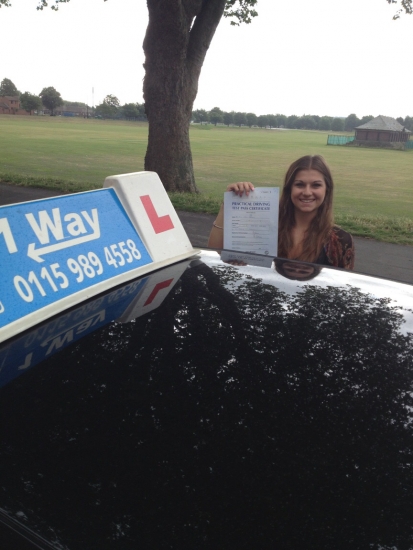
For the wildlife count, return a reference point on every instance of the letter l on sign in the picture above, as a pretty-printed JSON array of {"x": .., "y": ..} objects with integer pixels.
[
  {"x": 156, "y": 289},
  {"x": 159, "y": 223}
]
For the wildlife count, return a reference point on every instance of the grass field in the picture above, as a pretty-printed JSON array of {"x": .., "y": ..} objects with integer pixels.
[{"x": 373, "y": 193}]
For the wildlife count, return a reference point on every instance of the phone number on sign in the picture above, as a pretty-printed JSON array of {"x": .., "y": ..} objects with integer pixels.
[{"x": 88, "y": 266}]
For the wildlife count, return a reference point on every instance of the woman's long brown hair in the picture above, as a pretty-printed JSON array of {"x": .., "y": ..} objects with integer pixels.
[{"x": 320, "y": 227}]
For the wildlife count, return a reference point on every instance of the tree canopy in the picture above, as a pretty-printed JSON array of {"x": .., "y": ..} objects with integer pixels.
[
  {"x": 134, "y": 111},
  {"x": 30, "y": 102},
  {"x": 51, "y": 98},
  {"x": 405, "y": 5},
  {"x": 216, "y": 115},
  {"x": 351, "y": 122},
  {"x": 240, "y": 119},
  {"x": 337, "y": 124},
  {"x": 8, "y": 88},
  {"x": 200, "y": 115},
  {"x": 242, "y": 13},
  {"x": 109, "y": 108}
]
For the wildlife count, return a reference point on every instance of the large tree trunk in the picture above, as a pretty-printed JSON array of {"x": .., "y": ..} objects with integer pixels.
[{"x": 177, "y": 38}]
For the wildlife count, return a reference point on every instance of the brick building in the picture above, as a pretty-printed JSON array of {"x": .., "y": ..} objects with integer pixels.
[
  {"x": 382, "y": 129},
  {"x": 10, "y": 105}
]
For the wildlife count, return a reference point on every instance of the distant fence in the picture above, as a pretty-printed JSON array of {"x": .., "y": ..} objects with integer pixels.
[
  {"x": 409, "y": 144},
  {"x": 339, "y": 140}
]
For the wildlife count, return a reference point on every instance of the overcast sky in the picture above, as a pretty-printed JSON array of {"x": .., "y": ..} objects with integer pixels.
[{"x": 321, "y": 57}]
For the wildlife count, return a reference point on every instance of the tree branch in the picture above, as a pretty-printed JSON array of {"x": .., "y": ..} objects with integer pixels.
[
  {"x": 407, "y": 6},
  {"x": 202, "y": 32},
  {"x": 243, "y": 14}
]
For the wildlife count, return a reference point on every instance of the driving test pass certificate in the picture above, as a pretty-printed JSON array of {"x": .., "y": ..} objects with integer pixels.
[{"x": 251, "y": 223}]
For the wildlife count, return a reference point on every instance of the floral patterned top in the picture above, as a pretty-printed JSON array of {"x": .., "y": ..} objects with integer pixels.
[{"x": 338, "y": 250}]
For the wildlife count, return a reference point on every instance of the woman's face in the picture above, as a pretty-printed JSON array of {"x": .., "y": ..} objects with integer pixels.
[{"x": 308, "y": 191}]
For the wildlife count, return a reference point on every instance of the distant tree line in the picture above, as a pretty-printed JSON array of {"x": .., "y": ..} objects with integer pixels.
[
  {"x": 112, "y": 109},
  {"x": 305, "y": 122},
  {"x": 50, "y": 99}
]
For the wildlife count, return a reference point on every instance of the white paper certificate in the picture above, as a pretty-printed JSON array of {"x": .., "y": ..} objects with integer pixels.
[{"x": 251, "y": 223}]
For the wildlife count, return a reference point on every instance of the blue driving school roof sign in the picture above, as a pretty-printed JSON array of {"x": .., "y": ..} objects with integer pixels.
[{"x": 55, "y": 253}]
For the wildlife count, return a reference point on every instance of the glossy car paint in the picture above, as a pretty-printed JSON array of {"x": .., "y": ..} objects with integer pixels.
[{"x": 248, "y": 410}]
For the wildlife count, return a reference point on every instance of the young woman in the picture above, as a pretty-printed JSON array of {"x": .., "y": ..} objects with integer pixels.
[{"x": 306, "y": 229}]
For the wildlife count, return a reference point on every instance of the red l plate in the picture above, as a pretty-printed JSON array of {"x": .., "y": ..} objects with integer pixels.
[{"x": 159, "y": 223}]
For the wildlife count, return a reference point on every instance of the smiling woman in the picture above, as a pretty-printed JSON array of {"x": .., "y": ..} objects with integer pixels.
[
  {"x": 306, "y": 228},
  {"x": 307, "y": 231}
]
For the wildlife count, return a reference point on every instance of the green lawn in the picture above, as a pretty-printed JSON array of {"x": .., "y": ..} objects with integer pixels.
[{"x": 374, "y": 187}]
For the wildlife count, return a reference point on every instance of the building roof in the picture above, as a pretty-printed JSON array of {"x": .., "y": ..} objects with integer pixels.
[{"x": 383, "y": 123}]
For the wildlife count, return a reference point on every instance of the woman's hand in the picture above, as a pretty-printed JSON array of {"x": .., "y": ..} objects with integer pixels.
[{"x": 241, "y": 187}]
